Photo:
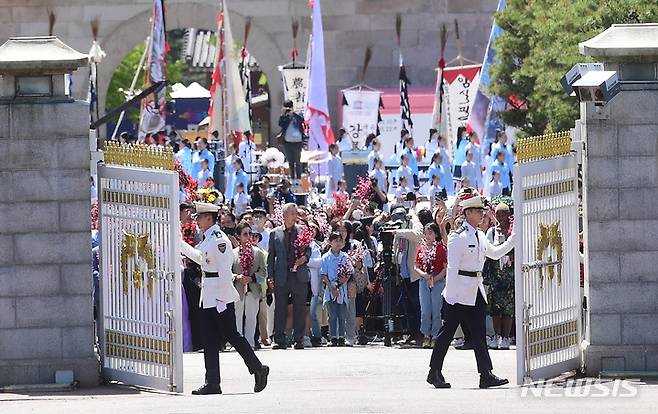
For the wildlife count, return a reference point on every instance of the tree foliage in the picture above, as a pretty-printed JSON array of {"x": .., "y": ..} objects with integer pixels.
[{"x": 539, "y": 44}]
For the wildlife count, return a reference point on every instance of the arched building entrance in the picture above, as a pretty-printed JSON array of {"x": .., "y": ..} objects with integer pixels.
[{"x": 118, "y": 43}]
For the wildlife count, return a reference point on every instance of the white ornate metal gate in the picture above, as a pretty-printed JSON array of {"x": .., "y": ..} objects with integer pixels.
[
  {"x": 548, "y": 297},
  {"x": 141, "y": 318}
]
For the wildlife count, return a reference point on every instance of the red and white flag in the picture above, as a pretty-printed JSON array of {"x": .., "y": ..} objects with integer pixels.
[
  {"x": 317, "y": 110},
  {"x": 215, "y": 110},
  {"x": 229, "y": 56},
  {"x": 153, "y": 111}
]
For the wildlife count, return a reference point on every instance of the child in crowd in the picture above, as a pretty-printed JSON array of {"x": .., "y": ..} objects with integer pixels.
[
  {"x": 240, "y": 200},
  {"x": 335, "y": 295},
  {"x": 402, "y": 190}
]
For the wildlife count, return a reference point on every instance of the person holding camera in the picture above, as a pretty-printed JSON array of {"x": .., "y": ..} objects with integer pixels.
[
  {"x": 464, "y": 297},
  {"x": 407, "y": 242},
  {"x": 293, "y": 136}
]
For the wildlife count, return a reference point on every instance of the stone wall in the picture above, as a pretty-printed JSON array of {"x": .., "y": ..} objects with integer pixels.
[
  {"x": 622, "y": 184},
  {"x": 349, "y": 27},
  {"x": 45, "y": 253}
]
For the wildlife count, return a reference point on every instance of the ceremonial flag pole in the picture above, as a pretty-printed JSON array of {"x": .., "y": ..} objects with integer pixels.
[
  {"x": 237, "y": 108},
  {"x": 216, "y": 111},
  {"x": 405, "y": 109},
  {"x": 245, "y": 72},
  {"x": 482, "y": 119},
  {"x": 438, "y": 92},
  {"x": 153, "y": 111},
  {"x": 317, "y": 110},
  {"x": 96, "y": 55}
]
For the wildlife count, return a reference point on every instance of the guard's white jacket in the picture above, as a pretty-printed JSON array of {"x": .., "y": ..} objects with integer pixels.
[
  {"x": 466, "y": 252},
  {"x": 215, "y": 255}
]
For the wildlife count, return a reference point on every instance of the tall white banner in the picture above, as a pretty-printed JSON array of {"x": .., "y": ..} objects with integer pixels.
[
  {"x": 295, "y": 82},
  {"x": 460, "y": 85},
  {"x": 360, "y": 114}
]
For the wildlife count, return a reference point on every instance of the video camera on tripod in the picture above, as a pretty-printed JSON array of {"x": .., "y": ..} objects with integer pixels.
[{"x": 393, "y": 322}]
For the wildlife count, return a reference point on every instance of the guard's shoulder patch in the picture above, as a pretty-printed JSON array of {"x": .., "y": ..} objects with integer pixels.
[
  {"x": 460, "y": 230},
  {"x": 217, "y": 234}
]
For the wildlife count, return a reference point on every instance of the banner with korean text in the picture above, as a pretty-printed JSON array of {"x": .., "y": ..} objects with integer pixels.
[
  {"x": 360, "y": 114},
  {"x": 295, "y": 83},
  {"x": 460, "y": 85}
]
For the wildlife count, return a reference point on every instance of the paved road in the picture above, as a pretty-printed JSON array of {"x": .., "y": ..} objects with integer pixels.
[{"x": 374, "y": 379}]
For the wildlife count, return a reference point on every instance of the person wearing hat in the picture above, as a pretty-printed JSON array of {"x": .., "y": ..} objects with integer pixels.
[
  {"x": 218, "y": 294},
  {"x": 464, "y": 297}
]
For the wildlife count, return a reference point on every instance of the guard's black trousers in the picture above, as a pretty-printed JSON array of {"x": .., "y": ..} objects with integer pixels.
[
  {"x": 218, "y": 328},
  {"x": 474, "y": 317}
]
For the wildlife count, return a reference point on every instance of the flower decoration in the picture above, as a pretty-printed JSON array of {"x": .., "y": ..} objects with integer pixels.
[
  {"x": 208, "y": 195},
  {"x": 94, "y": 215},
  {"x": 246, "y": 253},
  {"x": 341, "y": 205},
  {"x": 363, "y": 188},
  {"x": 277, "y": 212},
  {"x": 358, "y": 253},
  {"x": 323, "y": 223},
  {"x": 186, "y": 183},
  {"x": 302, "y": 242},
  {"x": 188, "y": 230}
]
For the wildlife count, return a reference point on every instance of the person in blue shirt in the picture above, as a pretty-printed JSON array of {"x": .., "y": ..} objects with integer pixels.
[
  {"x": 238, "y": 177},
  {"x": 202, "y": 153},
  {"x": 437, "y": 168},
  {"x": 204, "y": 174},
  {"x": 502, "y": 146},
  {"x": 410, "y": 152},
  {"x": 501, "y": 166},
  {"x": 460, "y": 151},
  {"x": 335, "y": 169},
  {"x": 184, "y": 156},
  {"x": 404, "y": 170},
  {"x": 476, "y": 149},
  {"x": 335, "y": 295}
]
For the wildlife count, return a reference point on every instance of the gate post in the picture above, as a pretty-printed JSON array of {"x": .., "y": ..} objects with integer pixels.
[
  {"x": 622, "y": 219},
  {"x": 46, "y": 313}
]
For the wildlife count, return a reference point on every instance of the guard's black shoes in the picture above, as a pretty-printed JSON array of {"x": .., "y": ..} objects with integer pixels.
[
  {"x": 435, "y": 378},
  {"x": 208, "y": 389},
  {"x": 261, "y": 378},
  {"x": 465, "y": 346},
  {"x": 279, "y": 345},
  {"x": 316, "y": 342},
  {"x": 299, "y": 345},
  {"x": 488, "y": 379}
]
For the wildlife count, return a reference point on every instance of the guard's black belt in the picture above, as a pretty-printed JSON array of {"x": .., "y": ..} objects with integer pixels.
[
  {"x": 209, "y": 274},
  {"x": 469, "y": 274}
]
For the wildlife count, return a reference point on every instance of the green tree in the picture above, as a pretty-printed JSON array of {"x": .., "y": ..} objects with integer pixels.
[
  {"x": 539, "y": 44},
  {"x": 123, "y": 76}
]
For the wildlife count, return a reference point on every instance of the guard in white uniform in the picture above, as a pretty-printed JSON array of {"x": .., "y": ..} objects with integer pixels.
[
  {"x": 215, "y": 256},
  {"x": 464, "y": 297}
]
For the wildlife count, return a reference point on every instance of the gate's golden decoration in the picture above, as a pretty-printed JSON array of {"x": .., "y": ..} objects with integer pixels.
[
  {"x": 137, "y": 246},
  {"x": 550, "y": 238},
  {"x": 138, "y": 155},
  {"x": 543, "y": 146}
]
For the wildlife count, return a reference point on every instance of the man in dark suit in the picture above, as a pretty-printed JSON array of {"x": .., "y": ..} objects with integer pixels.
[{"x": 290, "y": 276}]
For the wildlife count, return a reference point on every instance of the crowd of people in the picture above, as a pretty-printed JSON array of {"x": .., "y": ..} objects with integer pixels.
[
  {"x": 296, "y": 270},
  {"x": 316, "y": 277}
]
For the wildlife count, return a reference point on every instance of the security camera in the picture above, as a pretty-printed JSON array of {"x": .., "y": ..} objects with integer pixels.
[
  {"x": 576, "y": 72},
  {"x": 598, "y": 87}
]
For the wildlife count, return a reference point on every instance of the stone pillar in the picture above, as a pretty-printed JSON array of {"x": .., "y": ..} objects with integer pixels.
[
  {"x": 46, "y": 313},
  {"x": 622, "y": 213}
]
